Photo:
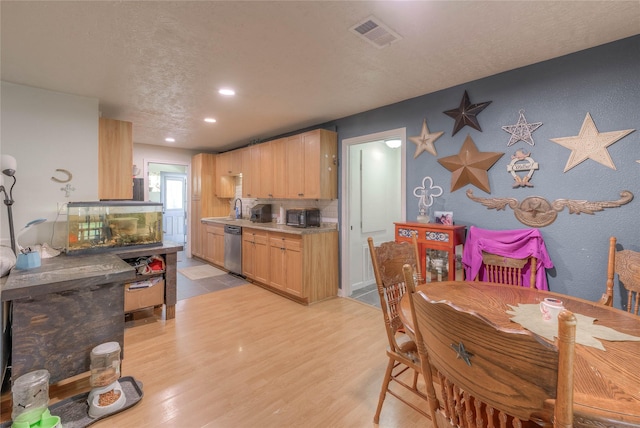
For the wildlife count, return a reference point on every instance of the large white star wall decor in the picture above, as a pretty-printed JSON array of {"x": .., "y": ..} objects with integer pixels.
[
  {"x": 590, "y": 144},
  {"x": 521, "y": 131},
  {"x": 425, "y": 141}
]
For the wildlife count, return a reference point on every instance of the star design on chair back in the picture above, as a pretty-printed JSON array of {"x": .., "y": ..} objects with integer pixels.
[{"x": 462, "y": 353}]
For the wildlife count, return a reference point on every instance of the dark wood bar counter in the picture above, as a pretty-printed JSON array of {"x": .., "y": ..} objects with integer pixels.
[{"x": 64, "y": 308}]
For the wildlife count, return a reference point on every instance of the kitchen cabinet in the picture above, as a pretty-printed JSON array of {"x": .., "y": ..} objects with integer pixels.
[
  {"x": 115, "y": 159},
  {"x": 301, "y": 166},
  {"x": 255, "y": 254},
  {"x": 257, "y": 175},
  {"x": 214, "y": 244},
  {"x": 279, "y": 168},
  {"x": 311, "y": 165},
  {"x": 301, "y": 264},
  {"x": 440, "y": 248},
  {"x": 285, "y": 252},
  {"x": 203, "y": 200},
  {"x": 196, "y": 229},
  {"x": 228, "y": 166}
]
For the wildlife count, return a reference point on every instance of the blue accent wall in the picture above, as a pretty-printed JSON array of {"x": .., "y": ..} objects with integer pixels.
[{"x": 603, "y": 81}]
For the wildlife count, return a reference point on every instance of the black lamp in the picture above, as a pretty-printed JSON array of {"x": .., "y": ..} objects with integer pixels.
[{"x": 9, "y": 169}]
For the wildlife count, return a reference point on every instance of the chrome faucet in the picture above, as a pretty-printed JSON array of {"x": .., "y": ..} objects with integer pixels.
[{"x": 235, "y": 208}]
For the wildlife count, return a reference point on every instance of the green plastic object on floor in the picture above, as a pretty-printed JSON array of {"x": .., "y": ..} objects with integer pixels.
[{"x": 45, "y": 421}]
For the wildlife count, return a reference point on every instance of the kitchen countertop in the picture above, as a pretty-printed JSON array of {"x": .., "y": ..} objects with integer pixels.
[{"x": 271, "y": 227}]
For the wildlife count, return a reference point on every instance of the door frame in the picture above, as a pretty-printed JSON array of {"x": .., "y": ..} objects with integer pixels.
[
  {"x": 164, "y": 175},
  {"x": 345, "y": 271},
  {"x": 187, "y": 165}
]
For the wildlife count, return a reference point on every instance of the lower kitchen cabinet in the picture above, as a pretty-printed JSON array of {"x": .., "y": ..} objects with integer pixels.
[
  {"x": 255, "y": 254},
  {"x": 301, "y": 266},
  {"x": 214, "y": 243},
  {"x": 285, "y": 252}
]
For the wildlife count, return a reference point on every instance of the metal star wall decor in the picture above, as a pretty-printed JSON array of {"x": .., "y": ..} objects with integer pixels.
[
  {"x": 521, "y": 131},
  {"x": 425, "y": 141},
  {"x": 462, "y": 353},
  {"x": 590, "y": 144},
  {"x": 470, "y": 166},
  {"x": 466, "y": 114},
  {"x": 536, "y": 211}
]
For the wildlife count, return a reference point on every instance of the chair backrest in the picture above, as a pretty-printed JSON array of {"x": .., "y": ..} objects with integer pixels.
[
  {"x": 421, "y": 347},
  {"x": 523, "y": 244},
  {"x": 507, "y": 270},
  {"x": 626, "y": 263},
  {"x": 487, "y": 373},
  {"x": 388, "y": 260}
]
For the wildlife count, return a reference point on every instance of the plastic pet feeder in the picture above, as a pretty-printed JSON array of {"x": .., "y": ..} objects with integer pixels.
[
  {"x": 31, "y": 401},
  {"x": 106, "y": 395}
]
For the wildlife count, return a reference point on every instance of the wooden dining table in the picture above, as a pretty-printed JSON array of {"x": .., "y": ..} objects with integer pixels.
[{"x": 606, "y": 383}]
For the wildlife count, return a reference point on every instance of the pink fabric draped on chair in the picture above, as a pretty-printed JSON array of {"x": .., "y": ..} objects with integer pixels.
[{"x": 518, "y": 243}]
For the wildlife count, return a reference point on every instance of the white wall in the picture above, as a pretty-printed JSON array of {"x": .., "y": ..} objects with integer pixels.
[
  {"x": 44, "y": 131},
  {"x": 143, "y": 154}
]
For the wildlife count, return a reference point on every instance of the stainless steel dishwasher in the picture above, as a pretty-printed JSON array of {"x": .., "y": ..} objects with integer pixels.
[{"x": 233, "y": 249}]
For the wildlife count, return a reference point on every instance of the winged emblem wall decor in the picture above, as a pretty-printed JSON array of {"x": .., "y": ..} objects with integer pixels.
[{"x": 536, "y": 211}]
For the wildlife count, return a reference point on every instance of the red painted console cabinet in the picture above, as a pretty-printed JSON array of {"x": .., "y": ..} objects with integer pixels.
[{"x": 440, "y": 248}]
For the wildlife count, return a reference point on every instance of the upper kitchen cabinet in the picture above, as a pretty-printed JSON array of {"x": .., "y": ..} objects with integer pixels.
[
  {"x": 279, "y": 168},
  {"x": 311, "y": 165},
  {"x": 115, "y": 159},
  {"x": 228, "y": 165},
  {"x": 257, "y": 175}
]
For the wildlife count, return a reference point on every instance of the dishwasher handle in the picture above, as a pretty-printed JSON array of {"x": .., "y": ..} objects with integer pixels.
[{"x": 233, "y": 230}]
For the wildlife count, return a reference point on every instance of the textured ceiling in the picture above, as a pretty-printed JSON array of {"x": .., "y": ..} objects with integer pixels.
[{"x": 293, "y": 64}]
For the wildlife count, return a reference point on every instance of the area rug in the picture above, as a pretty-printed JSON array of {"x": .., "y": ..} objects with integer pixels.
[{"x": 199, "y": 272}]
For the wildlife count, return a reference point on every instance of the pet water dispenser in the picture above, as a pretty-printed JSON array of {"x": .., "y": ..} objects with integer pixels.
[
  {"x": 31, "y": 401},
  {"x": 106, "y": 395}
]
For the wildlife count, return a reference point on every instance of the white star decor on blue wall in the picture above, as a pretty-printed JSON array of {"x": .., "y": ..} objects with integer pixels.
[{"x": 521, "y": 131}]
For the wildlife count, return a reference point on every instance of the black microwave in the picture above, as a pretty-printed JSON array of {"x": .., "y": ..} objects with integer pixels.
[{"x": 303, "y": 217}]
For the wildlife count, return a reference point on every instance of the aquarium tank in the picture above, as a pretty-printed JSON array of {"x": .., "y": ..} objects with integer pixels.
[{"x": 104, "y": 225}]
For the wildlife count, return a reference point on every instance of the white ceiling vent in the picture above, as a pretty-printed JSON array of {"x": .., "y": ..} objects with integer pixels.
[{"x": 375, "y": 32}]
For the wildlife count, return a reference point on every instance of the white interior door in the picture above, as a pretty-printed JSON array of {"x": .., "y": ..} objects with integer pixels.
[
  {"x": 173, "y": 193},
  {"x": 373, "y": 197}
]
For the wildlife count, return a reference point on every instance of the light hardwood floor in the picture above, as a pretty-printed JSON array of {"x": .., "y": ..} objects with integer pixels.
[{"x": 245, "y": 357}]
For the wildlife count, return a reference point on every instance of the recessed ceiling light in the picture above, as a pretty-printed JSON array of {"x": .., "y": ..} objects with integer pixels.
[
  {"x": 226, "y": 91},
  {"x": 210, "y": 120},
  {"x": 170, "y": 140}
]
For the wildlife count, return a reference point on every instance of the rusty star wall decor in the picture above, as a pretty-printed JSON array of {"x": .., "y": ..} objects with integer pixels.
[
  {"x": 425, "y": 141},
  {"x": 536, "y": 211},
  {"x": 590, "y": 144},
  {"x": 466, "y": 114},
  {"x": 470, "y": 166},
  {"x": 521, "y": 131}
]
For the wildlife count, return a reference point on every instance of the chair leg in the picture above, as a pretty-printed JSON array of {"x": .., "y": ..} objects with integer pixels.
[
  {"x": 415, "y": 380},
  {"x": 383, "y": 391}
]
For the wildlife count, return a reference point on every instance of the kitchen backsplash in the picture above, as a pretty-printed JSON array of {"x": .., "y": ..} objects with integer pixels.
[{"x": 328, "y": 208}]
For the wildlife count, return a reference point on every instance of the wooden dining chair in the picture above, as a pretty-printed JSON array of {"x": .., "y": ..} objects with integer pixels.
[
  {"x": 485, "y": 375},
  {"x": 507, "y": 270},
  {"x": 625, "y": 263},
  {"x": 388, "y": 260}
]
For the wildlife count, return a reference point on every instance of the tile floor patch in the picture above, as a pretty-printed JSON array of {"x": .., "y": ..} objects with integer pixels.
[{"x": 199, "y": 272}]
